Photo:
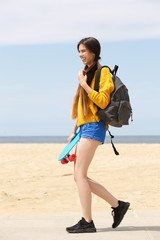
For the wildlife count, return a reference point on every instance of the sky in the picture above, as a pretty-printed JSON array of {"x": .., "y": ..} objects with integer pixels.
[{"x": 39, "y": 61}]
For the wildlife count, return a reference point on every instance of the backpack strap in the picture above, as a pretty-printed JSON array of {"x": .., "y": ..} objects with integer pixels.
[
  {"x": 114, "y": 71},
  {"x": 115, "y": 150},
  {"x": 97, "y": 79}
]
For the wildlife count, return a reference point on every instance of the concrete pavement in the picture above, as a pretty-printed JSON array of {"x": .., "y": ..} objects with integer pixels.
[{"x": 136, "y": 225}]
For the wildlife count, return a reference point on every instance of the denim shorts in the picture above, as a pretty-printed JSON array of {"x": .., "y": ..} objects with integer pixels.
[{"x": 94, "y": 130}]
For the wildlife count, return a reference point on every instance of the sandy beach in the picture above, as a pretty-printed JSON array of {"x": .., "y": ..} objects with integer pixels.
[{"x": 33, "y": 181}]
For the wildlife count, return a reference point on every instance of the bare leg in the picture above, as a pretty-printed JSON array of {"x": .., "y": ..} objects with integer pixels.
[
  {"x": 85, "y": 152},
  {"x": 102, "y": 192}
]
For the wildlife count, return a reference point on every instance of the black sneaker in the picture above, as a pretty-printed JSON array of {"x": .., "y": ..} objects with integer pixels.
[
  {"x": 82, "y": 227},
  {"x": 119, "y": 212}
]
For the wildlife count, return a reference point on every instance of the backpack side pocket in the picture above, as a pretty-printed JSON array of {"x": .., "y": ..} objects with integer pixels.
[{"x": 124, "y": 112}]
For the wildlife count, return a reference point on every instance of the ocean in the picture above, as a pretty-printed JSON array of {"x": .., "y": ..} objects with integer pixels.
[{"x": 63, "y": 139}]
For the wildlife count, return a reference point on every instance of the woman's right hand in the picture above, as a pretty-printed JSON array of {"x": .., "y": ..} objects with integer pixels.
[{"x": 70, "y": 137}]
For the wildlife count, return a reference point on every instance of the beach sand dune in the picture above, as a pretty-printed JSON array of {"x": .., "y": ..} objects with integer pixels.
[{"x": 33, "y": 181}]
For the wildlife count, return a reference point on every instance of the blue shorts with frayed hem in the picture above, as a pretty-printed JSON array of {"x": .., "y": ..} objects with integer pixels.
[{"x": 94, "y": 130}]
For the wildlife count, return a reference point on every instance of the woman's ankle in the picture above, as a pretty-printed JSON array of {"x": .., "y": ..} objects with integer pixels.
[
  {"x": 115, "y": 204},
  {"x": 88, "y": 219}
]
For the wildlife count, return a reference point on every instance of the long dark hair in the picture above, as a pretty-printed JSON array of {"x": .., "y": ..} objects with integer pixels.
[{"x": 93, "y": 45}]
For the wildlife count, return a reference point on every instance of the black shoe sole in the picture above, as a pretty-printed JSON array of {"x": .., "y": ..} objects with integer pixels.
[
  {"x": 87, "y": 230},
  {"x": 123, "y": 213}
]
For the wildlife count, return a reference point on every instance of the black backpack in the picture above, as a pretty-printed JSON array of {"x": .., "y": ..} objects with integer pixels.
[{"x": 119, "y": 110}]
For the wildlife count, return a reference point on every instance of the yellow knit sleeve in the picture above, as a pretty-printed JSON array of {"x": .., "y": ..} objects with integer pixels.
[{"x": 106, "y": 87}]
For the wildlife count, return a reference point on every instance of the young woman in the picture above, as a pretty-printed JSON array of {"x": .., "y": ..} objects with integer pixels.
[{"x": 92, "y": 134}]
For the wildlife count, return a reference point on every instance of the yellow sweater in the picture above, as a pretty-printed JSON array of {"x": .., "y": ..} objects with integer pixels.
[{"x": 101, "y": 98}]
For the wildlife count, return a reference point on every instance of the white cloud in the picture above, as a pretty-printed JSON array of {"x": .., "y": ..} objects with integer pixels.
[{"x": 49, "y": 21}]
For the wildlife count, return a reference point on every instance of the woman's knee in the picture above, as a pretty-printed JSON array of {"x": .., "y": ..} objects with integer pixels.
[
  {"x": 78, "y": 176},
  {"x": 75, "y": 177}
]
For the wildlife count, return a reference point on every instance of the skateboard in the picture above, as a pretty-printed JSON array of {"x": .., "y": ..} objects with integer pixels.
[{"x": 65, "y": 156}]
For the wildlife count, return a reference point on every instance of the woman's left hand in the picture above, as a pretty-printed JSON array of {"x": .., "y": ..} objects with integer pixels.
[{"x": 82, "y": 78}]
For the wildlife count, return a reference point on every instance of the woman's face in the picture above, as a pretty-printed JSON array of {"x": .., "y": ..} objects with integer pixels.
[{"x": 86, "y": 56}]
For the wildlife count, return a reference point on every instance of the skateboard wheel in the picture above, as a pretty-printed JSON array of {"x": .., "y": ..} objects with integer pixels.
[
  {"x": 72, "y": 157},
  {"x": 64, "y": 161}
]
